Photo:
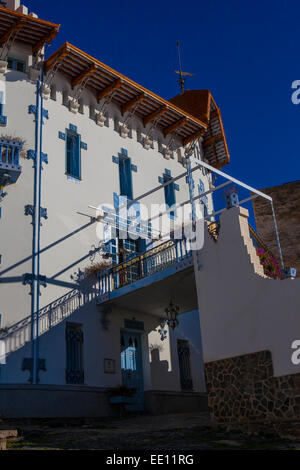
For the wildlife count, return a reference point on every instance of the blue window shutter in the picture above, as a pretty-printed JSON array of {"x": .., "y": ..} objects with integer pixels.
[
  {"x": 169, "y": 194},
  {"x": 125, "y": 177},
  {"x": 73, "y": 154}
]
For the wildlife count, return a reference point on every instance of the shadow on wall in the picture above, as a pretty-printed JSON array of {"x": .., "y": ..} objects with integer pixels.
[{"x": 161, "y": 377}]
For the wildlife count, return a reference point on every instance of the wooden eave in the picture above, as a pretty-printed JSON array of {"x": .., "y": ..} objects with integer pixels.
[
  {"x": 126, "y": 93},
  {"x": 29, "y": 30}
]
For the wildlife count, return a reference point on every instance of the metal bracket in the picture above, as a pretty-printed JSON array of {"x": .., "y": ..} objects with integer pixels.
[
  {"x": 43, "y": 212},
  {"x": 28, "y": 278},
  {"x": 44, "y": 158},
  {"x": 29, "y": 210},
  {"x": 31, "y": 154},
  {"x": 27, "y": 364}
]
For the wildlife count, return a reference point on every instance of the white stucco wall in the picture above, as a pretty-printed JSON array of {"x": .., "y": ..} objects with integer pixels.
[
  {"x": 62, "y": 254},
  {"x": 241, "y": 311}
]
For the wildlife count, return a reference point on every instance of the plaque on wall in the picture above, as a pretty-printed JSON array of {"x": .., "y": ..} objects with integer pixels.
[{"x": 109, "y": 366}]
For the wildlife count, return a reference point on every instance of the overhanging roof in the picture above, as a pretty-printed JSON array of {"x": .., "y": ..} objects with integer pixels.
[
  {"x": 26, "y": 28},
  {"x": 76, "y": 65},
  {"x": 201, "y": 104}
]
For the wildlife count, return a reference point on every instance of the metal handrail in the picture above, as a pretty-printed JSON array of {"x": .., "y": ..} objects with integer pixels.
[{"x": 147, "y": 263}]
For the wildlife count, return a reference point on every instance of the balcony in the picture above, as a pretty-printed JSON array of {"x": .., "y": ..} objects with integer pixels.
[
  {"x": 9, "y": 160},
  {"x": 147, "y": 282}
]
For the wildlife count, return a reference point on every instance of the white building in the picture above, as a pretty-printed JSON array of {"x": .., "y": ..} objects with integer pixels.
[{"x": 75, "y": 133}]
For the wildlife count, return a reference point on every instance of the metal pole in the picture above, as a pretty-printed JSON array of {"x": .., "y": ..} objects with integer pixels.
[
  {"x": 34, "y": 222},
  {"x": 277, "y": 236}
]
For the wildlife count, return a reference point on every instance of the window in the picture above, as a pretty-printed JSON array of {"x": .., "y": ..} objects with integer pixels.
[
  {"x": 73, "y": 154},
  {"x": 125, "y": 176},
  {"x": 92, "y": 114},
  {"x": 183, "y": 350},
  {"x": 81, "y": 107},
  {"x": 169, "y": 193},
  {"x": 16, "y": 64},
  {"x": 65, "y": 98},
  {"x": 74, "y": 350},
  {"x": 3, "y": 119},
  {"x": 53, "y": 92},
  {"x": 116, "y": 124}
]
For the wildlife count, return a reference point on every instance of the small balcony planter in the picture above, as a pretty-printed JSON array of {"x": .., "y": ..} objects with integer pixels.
[
  {"x": 45, "y": 91},
  {"x": 73, "y": 106},
  {"x": 34, "y": 74},
  {"x": 3, "y": 66},
  {"x": 167, "y": 153},
  {"x": 100, "y": 119}
]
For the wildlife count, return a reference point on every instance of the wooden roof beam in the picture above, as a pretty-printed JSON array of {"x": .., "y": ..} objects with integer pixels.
[
  {"x": 194, "y": 136},
  {"x": 109, "y": 89},
  {"x": 57, "y": 57},
  {"x": 47, "y": 38},
  {"x": 85, "y": 74},
  {"x": 133, "y": 102},
  {"x": 176, "y": 125},
  {"x": 213, "y": 140},
  {"x": 156, "y": 114},
  {"x": 12, "y": 30}
]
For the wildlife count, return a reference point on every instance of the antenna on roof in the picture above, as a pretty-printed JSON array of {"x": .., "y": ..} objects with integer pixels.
[{"x": 181, "y": 74}]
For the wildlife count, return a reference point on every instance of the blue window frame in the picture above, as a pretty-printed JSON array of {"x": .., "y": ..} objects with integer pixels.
[
  {"x": 125, "y": 176},
  {"x": 3, "y": 119},
  {"x": 73, "y": 154},
  {"x": 204, "y": 199},
  {"x": 16, "y": 64},
  {"x": 170, "y": 198}
]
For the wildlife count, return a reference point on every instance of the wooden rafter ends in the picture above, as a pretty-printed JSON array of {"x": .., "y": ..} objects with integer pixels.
[
  {"x": 213, "y": 140},
  {"x": 83, "y": 75},
  {"x": 133, "y": 102},
  {"x": 12, "y": 30},
  {"x": 176, "y": 125},
  {"x": 42, "y": 42},
  {"x": 156, "y": 114},
  {"x": 109, "y": 89},
  {"x": 59, "y": 57},
  {"x": 192, "y": 137}
]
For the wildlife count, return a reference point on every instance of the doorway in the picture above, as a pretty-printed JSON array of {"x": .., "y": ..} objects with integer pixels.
[{"x": 132, "y": 368}]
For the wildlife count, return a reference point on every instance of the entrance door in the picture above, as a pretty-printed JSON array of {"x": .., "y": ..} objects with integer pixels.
[{"x": 132, "y": 370}]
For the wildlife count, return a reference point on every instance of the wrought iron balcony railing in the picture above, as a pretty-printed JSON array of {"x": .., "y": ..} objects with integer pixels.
[
  {"x": 10, "y": 168},
  {"x": 144, "y": 265}
]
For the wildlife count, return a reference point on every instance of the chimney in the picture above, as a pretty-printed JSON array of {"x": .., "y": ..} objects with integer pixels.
[{"x": 12, "y": 4}]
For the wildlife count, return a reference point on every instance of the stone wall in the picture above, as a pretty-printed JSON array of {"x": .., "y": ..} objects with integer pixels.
[
  {"x": 243, "y": 389},
  {"x": 286, "y": 200}
]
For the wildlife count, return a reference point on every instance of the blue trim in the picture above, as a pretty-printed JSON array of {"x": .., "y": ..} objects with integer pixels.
[
  {"x": 44, "y": 158},
  {"x": 176, "y": 187},
  {"x": 13, "y": 63},
  {"x": 133, "y": 168},
  {"x": 72, "y": 127},
  {"x": 61, "y": 135},
  {"x": 32, "y": 109},
  {"x": 83, "y": 145},
  {"x": 31, "y": 155},
  {"x": 3, "y": 119},
  {"x": 73, "y": 154},
  {"x": 160, "y": 180},
  {"x": 115, "y": 159},
  {"x": 168, "y": 172}
]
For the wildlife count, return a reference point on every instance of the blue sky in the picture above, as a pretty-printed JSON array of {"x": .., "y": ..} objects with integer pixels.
[{"x": 246, "y": 53}]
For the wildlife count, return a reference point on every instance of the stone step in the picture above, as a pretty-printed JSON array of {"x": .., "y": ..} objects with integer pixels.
[{"x": 6, "y": 434}]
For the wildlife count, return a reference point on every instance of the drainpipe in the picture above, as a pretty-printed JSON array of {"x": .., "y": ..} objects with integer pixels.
[
  {"x": 40, "y": 168},
  {"x": 34, "y": 223}
]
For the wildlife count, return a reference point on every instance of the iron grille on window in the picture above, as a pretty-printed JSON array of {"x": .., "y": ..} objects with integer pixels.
[
  {"x": 74, "y": 346},
  {"x": 184, "y": 365}
]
